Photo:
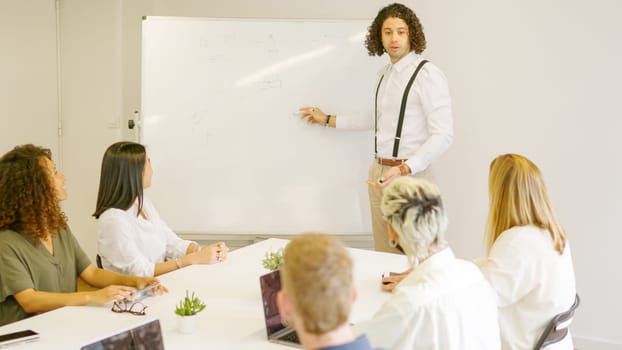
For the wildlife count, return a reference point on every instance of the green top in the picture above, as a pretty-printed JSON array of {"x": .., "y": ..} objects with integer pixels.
[{"x": 25, "y": 265}]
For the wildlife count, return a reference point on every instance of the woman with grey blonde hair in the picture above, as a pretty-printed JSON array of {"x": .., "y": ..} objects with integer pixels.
[
  {"x": 416, "y": 217},
  {"x": 443, "y": 302}
]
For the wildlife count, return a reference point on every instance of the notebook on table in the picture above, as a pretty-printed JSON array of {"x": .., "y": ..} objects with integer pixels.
[{"x": 277, "y": 332}]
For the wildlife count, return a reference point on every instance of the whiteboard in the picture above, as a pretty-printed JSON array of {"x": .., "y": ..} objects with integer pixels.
[{"x": 229, "y": 156}]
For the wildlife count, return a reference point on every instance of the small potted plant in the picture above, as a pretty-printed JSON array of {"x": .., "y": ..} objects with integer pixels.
[
  {"x": 273, "y": 260},
  {"x": 186, "y": 311}
]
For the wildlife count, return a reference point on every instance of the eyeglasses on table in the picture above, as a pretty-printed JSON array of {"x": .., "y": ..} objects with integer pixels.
[{"x": 136, "y": 308}]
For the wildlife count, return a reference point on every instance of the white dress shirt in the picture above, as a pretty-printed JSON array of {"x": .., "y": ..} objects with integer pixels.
[
  {"x": 444, "y": 303},
  {"x": 132, "y": 245},
  {"x": 428, "y": 125},
  {"x": 533, "y": 284}
]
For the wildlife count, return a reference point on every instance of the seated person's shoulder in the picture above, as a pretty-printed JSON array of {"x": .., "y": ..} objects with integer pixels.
[
  {"x": 111, "y": 213},
  {"x": 112, "y": 218},
  {"x": 416, "y": 292},
  {"x": 10, "y": 238},
  {"x": 519, "y": 238}
]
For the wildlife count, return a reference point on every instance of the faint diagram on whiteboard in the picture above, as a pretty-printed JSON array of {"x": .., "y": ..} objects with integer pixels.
[
  {"x": 268, "y": 83},
  {"x": 227, "y": 152}
]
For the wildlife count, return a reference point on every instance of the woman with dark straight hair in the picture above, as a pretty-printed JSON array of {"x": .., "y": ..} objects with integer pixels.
[
  {"x": 131, "y": 236},
  {"x": 40, "y": 259},
  {"x": 121, "y": 180}
]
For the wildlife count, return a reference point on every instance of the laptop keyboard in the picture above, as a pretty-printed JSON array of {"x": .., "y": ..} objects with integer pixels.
[{"x": 291, "y": 337}]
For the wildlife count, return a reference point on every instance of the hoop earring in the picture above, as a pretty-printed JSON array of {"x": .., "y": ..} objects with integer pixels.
[{"x": 393, "y": 243}]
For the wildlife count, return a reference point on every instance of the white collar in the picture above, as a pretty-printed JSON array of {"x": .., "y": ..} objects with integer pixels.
[
  {"x": 405, "y": 61},
  {"x": 434, "y": 262}
]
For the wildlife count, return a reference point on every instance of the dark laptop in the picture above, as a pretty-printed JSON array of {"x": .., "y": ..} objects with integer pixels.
[
  {"x": 145, "y": 337},
  {"x": 278, "y": 333}
]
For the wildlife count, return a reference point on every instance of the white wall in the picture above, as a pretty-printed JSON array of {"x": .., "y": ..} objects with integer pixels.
[
  {"x": 91, "y": 95},
  {"x": 28, "y": 88},
  {"x": 546, "y": 87}
]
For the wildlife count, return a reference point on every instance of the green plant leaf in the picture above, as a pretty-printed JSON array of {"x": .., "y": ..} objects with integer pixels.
[
  {"x": 189, "y": 305},
  {"x": 273, "y": 259}
]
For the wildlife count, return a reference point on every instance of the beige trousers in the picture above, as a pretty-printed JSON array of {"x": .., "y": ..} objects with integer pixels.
[{"x": 379, "y": 226}]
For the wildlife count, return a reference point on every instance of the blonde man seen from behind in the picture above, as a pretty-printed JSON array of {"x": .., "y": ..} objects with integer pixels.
[{"x": 317, "y": 293}]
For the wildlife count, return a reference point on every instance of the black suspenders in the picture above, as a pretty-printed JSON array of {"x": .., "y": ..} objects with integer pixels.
[{"x": 400, "y": 122}]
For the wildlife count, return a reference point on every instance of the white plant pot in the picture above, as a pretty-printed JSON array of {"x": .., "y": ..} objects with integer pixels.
[{"x": 187, "y": 324}]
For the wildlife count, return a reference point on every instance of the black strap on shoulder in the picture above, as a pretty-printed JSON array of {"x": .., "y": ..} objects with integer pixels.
[
  {"x": 376, "y": 118},
  {"x": 400, "y": 122}
]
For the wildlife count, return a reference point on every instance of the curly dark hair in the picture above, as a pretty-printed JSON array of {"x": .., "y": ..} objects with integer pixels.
[
  {"x": 373, "y": 42},
  {"x": 28, "y": 201}
]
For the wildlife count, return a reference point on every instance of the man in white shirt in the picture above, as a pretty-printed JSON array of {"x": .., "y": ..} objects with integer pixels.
[{"x": 427, "y": 128}]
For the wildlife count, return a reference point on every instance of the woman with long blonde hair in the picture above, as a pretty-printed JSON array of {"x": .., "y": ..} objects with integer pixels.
[{"x": 528, "y": 260}]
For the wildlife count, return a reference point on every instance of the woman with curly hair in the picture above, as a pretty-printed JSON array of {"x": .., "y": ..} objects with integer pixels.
[
  {"x": 40, "y": 259},
  {"x": 412, "y": 117}
]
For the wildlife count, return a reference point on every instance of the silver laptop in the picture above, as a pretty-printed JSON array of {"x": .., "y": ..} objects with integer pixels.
[
  {"x": 24, "y": 336},
  {"x": 278, "y": 333},
  {"x": 145, "y": 337}
]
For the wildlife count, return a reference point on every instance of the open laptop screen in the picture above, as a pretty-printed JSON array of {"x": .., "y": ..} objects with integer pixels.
[
  {"x": 144, "y": 337},
  {"x": 270, "y": 285}
]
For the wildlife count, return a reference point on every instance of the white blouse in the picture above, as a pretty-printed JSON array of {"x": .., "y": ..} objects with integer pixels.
[
  {"x": 443, "y": 304},
  {"x": 533, "y": 284},
  {"x": 130, "y": 244}
]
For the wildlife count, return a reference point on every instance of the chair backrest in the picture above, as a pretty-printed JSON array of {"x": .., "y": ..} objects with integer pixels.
[
  {"x": 98, "y": 261},
  {"x": 557, "y": 329}
]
